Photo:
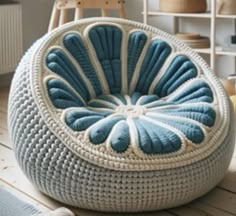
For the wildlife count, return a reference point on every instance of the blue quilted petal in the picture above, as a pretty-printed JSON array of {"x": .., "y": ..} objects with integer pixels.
[
  {"x": 198, "y": 91},
  {"x": 134, "y": 97},
  {"x": 109, "y": 98},
  {"x": 120, "y": 138},
  {"x": 83, "y": 118},
  {"x": 203, "y": 114},
  {"x": 101, "y": 130},
  {"x": 148, "y": 99},
  {"x": 158, "y": 103},
  {"x": 192, "y": 131},
  {"x": 121, "y": 98},
  {"x": 156, "y": 55},
  {"x": 180, "y": 70},
  {"x": 62, "y": 96},
  {"x": 106, "y": 41},
  {"x": 99, "y": 104},
  {"x": 60, "y": 64},
  {"x": 136, "y": 43},
  {"x": 75, "y": 45},
  {"x": 84, "y": 123},
  {"x": 154, "y": 139}
]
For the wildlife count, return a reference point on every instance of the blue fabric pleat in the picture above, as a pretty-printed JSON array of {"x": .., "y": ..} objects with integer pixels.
[
  {"x": 107, "y": 42},
  {"x": 120, "y": 138},
  {"x": 154, "y": 139},
  {"x": 102, "y": 129},
  {"x": 121, "y": 98},
  {"x": 60, "y": 64},
  {"x": 62, "y": 96},
  {"x": 203, "y": 114},
  {"x": 192, "y": 131},
  {"x": 75, "y": 45},
  {"x": 148, "y": 99},
  {"x": 156, "y": 55},
  {"x": 198, "y": 91},
  {"x": 136, "y": 43},
  {"x": 134, "y": 97},
  {"x": 181, "y": 69}
]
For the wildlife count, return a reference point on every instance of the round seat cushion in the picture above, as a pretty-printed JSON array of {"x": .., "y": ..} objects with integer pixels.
[{"x": 112, "y": 115}]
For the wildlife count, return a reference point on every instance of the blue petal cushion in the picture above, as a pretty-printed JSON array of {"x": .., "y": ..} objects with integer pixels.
[
  {"x": 159, "y": 106},
  {"x": 119, "y": 116}
]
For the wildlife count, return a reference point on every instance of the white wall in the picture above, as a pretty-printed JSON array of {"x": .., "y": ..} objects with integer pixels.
[{"x": 36, "y": 15}]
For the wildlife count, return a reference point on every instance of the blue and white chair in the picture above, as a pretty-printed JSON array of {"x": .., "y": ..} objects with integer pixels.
[{"x": 113, "y": 115}]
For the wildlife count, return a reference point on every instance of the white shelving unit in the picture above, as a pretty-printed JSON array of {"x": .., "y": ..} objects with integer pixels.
[{"x": 214, "y": 50}]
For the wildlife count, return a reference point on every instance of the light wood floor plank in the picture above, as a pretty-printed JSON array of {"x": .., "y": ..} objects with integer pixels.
[
  {"x": 11, "y": 173},
  {"x": 4, "y": 92},
  {"x": 209, "y": 210},
  {"x": 221, "y": 199},
  {"x": 229, "y": 182},
  {"x": 4, "y": 138}
]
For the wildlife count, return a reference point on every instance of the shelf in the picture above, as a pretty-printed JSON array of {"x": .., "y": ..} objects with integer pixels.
[
  {"x": 219, "y": 51},
  {"x": 226, "y": 16},
  {"x": 226, "y": 53},
  {"x": 212, "y": 17},
  {"x": 197, "y": 15},
  {"x": 203, "y": 51}
]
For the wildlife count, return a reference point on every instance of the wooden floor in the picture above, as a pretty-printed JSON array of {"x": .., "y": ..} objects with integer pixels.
[{"x": 219, "y": 202}]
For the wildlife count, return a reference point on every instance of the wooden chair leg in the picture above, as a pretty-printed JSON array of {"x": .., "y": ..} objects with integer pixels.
[
  {"x": 122, "y": 12},
  {"x": 63, "y": 17},
  {"x": 78, "y": 13},
  {"x": 54, "y": 18},
  {"x": 104, "y": 12}
]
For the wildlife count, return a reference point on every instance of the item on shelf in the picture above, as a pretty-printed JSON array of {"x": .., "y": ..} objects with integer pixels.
[
  {"x": 91, "y": 133},
  {"x": 226, "y": 7},
  {"x": 229, "y": 48},
  {"x": 188, "y": 36},
  {"x": 230, "y": 43},
  {"x": 232, "y": 77},
  {"x": 194, "y": 40},
  {"x": 183, "y": 6}
]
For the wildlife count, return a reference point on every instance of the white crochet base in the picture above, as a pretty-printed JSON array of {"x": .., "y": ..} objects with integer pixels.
[{"x": 65, "y": 176}]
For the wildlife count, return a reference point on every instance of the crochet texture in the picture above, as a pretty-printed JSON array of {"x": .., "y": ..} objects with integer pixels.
[{"x": 113, "y": 115}]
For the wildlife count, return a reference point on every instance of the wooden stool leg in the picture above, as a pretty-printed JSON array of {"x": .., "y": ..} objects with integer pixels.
[
  {"x": 54, "y": 18},
  {"x": 63, "y": 17},
  {"x": 78, "y": 13},
  {"x": 122, "y": 11},
  {"x": 104, "y": 12}
]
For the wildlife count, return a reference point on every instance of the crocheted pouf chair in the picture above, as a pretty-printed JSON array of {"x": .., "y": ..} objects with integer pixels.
[{"x": 113, "y": 115}]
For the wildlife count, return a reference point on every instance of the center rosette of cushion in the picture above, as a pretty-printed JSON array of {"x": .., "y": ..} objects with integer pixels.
[{"x": 131, "y": 111}]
